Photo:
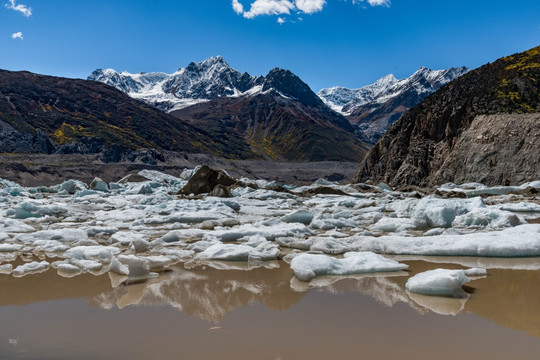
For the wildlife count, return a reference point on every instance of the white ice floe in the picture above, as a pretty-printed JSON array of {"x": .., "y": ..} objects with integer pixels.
[
  {"x": 90, "y": 229},
  {"x": 299, "y": 216},
  {"x": 139, "y": 268},
  {"x": 308, "y": 266},
  {"x": 6, "y": 269},
  {"x": 27, "y": 210},
  {"x": 440, "y": 282},
  {"x": 33, "y": 267},
  {"x": 229, "y": 252},
  {"x": 519, "y": 241}
]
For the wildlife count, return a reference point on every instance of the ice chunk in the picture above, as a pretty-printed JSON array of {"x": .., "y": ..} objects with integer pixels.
[
  {"x": 62, "y": 235},
  {"x": 68, "y": 270},
  {"x": 475, "y": 272},
  {"x": 231, "y": 252},
  {"x": 308, "y": 266},
  {"x": 27, "y": 210},
  {"x": 10, "y": 247},
  {"x": 438, "y": 282},
  {"x": 138, "y": 267},
  {"x": 33, "y": 267},
  {"x": 16, "y": 226},
  {"x": 519, "y": 241},
  {"x": 488, "y": 217},
  {"x": 521, "y": 207},
  {"x": 299, "y": 216},
  {"x": 6, "y": 269},
  {"x": 72, "y": 186},
  {"x": 101, "y": 254},
  {"x": 99, "y": 185}
]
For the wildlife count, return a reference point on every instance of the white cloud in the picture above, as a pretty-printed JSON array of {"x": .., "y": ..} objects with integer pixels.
[
  {"x": 379, "y": 2},
  {"x": 310, "y": 6},
  {"x": 237, "y": 7},
  {"x": 269, "y": 7},
  {"x": 25, "y": 10},
  {"x": 284, "y": 7},
  {"x": 17, "y": 35},
  {"x": 374, "y": 2}
]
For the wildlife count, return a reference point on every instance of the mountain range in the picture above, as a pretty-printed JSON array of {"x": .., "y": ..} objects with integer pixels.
[
  {"x": 374, "y": 107},
  {"x": 370, "y": 109},
  {"x": 275, "y": 117}
]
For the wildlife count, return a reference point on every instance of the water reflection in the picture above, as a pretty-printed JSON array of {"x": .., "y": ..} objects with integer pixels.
[
  {"x": 207, "y": 293},
  {"x": 508, "y": 297}
]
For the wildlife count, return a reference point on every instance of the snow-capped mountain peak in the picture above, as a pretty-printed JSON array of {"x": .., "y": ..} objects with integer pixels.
[
  {"x": 197, "y": 82},
  {"x": 423, "y": 81}
]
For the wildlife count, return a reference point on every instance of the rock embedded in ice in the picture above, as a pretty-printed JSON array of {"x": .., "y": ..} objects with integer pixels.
[
  {"x": 440, "y": 282},
  {"x": 205, "y": 180},
  {"x": 133, "y": 178},
  {"x": 308, "y": 266},
  {"x": 33, "y": 267}
]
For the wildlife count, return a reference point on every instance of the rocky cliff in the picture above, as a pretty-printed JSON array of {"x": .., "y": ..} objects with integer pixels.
[{"x": 482, "y": 127}]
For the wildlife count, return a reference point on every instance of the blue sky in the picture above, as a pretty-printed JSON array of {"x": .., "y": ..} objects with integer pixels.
[{"x": 326, "y": 42}]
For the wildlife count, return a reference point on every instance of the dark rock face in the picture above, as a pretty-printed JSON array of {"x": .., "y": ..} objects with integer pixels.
[
  {"x": 445, "y": 138},
  {"x": 206, "y": 180},
  {"x": 286, "y": 122},
  {"x": 45, "y": 114}
]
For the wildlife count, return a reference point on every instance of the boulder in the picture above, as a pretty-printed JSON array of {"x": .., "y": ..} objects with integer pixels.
[{"x": 205, "y": 180}]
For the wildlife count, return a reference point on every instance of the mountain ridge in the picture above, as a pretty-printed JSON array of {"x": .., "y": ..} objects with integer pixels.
[{"x": 447, "y": 137}]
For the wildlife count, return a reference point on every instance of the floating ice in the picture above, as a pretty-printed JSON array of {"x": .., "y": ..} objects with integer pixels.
[
  {"x": 300, "y": 216},
  {"x": 33, "y": 267},
  {"x": 308, "y": 266},
  {"x": 27, "y": 210},
  {"x": 439, "y": 282},
  {"x": 68, "y": 270},
  {"x": 230, "y": 252},
  {"x": 519, "y": 241},
  {"x": 6, "y": 269},
  {"x": 138, "y": 267}
]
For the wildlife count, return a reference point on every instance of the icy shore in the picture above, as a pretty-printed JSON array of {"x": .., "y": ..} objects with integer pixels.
[{"x": 139, "y": 226}]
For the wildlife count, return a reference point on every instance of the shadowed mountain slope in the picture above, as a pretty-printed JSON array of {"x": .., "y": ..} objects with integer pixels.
[{"x": 483, "y": 127}]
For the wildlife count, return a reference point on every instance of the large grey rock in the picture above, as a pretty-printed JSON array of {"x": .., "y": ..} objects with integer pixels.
[{"x": 205, "y": 180}]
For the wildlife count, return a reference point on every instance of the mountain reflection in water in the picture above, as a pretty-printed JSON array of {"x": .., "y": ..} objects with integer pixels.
[{"x": 508, "y": 297}]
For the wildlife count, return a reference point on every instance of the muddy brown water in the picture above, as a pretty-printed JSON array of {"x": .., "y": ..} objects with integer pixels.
[{"x": 204, "y": 313}]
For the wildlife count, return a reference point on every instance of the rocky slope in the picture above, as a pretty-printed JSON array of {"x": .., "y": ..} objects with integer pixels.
[
  {"x": 281, "y": 119},
  {"x": 374, "y": 107},
  {"x": 45, "y": 114},
  {"x": 483, "y": 127}
]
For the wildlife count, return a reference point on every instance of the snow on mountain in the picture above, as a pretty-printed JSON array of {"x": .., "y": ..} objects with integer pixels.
[
  {"x": 198, "y": 82},
  {"x": 338, "y": 97},
  {"x": 424, "y": 81}
]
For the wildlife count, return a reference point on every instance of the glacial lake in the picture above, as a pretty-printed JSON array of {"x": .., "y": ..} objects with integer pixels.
[{"x": 264, "y": 313}]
